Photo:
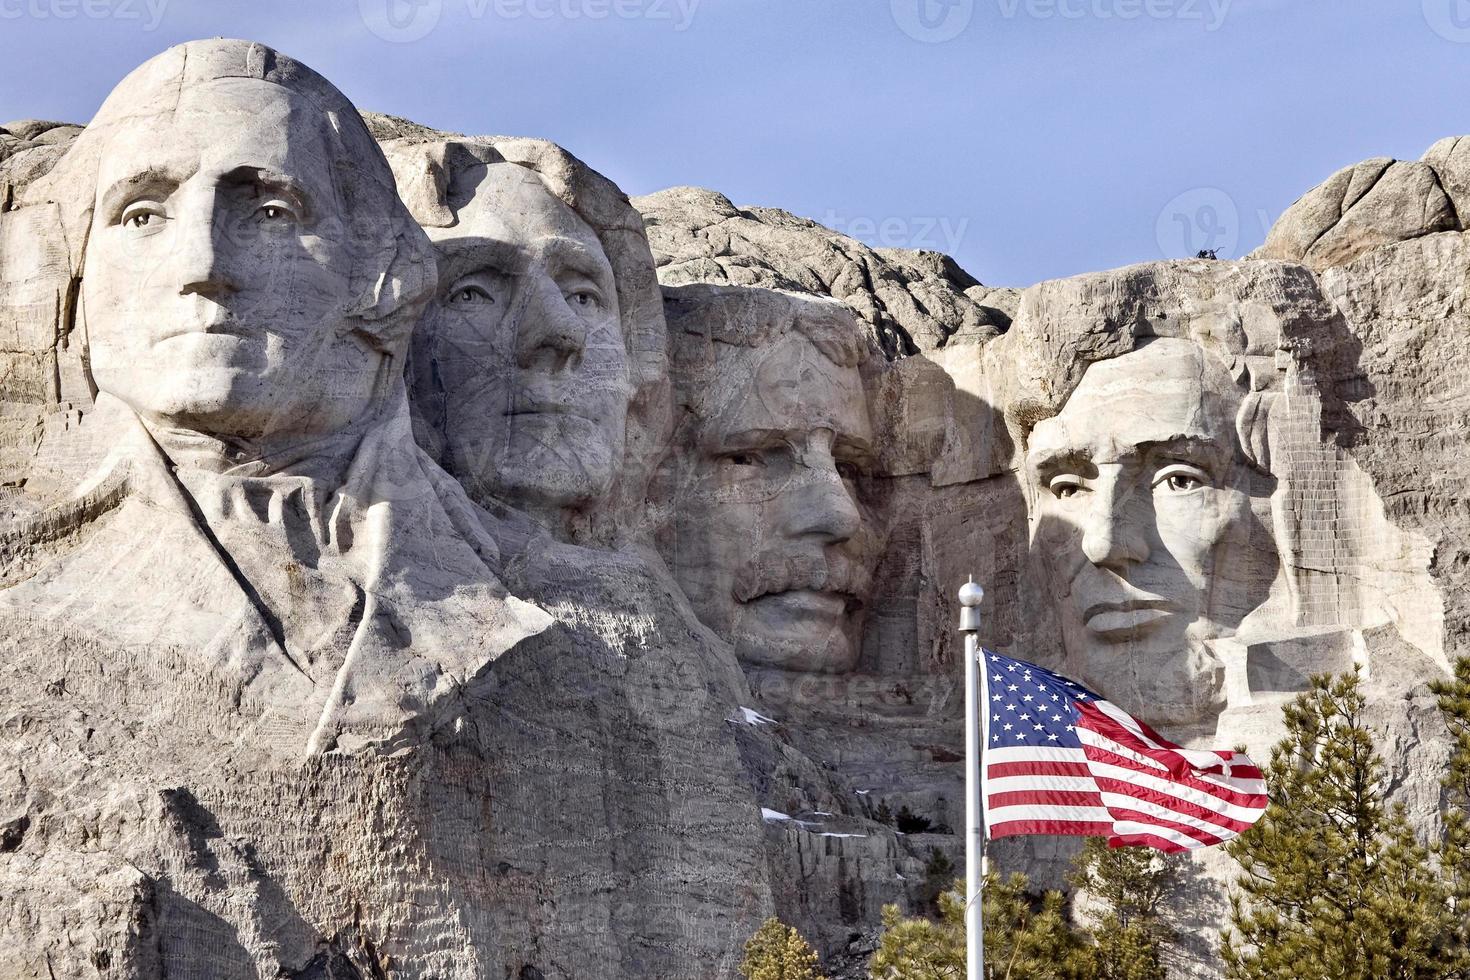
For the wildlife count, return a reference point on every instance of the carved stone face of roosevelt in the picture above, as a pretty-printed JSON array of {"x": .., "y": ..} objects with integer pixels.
[
  {"x": 217, "y": 285},
  {"x": 1141, "y": 523},
  {"x": 770, "y": 542},
  {"x": 526, "y": 347}
]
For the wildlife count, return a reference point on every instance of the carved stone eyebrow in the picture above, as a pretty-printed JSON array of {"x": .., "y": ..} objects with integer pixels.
[
  {"x": 128, "y": 189},
  {"x": 273, "y": 182},
  {"x": 716, "y": 441},
  {"x": 573, "y": 255},
  {"x": 1060, "y": 458},
  {"x": 462, "y": 256}
]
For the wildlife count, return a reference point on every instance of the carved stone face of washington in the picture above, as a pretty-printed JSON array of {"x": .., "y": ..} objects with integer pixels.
[{"x": 217, "y": 288}]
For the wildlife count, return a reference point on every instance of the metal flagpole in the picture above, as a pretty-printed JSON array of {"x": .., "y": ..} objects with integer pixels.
[{"x": 970, "y": 598}]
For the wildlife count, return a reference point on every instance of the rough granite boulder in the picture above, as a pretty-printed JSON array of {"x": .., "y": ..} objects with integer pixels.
[
  {"x": 1376, "y": 202},
  {"x": 912, "y": 300}
]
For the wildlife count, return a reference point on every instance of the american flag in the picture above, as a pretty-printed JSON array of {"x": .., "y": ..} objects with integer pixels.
[{"x": 1059, "y": 759}]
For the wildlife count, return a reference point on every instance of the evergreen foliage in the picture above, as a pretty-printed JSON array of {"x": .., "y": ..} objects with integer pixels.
[
  {"x": 1131, "y": 883},
  {"x": 1333, "y": 883},
  {"x": 1454, "y": 706},
  {"x": 1022, "y": 938},
  {"x": 778, "y": 952}
]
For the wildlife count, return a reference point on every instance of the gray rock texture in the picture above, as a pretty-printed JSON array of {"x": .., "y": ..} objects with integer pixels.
[
  {"x": 599, "y": 602},
  {"x": 913, "y": 301}
]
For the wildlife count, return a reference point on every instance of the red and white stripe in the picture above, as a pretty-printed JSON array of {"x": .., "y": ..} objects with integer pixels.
[{"x": 1126, "y": 783}]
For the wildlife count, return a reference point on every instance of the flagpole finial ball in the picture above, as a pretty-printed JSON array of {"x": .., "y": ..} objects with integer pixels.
[{"x": 971, "y": 594}]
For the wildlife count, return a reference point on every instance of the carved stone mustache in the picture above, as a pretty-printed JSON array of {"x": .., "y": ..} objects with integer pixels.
[{"x": 770, "y": 574}]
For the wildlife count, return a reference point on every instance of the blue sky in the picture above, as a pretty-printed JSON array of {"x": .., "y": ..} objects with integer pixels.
[{"x": 1031, "y": 138}]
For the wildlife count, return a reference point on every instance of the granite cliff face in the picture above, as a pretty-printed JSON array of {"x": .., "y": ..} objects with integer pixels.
[{"x": 420, "y": 560}]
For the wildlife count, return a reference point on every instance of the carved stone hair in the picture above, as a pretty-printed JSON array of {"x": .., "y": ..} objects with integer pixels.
[
  {"x": 702, "y": 316},
  {"x": 393, "y": 267},
  {"x": 1248, "y": 316}
]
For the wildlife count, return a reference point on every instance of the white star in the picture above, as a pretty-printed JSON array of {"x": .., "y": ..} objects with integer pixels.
[
  {"x": 1071, "y": 728},
  {"x": 996, "y": 677},
  {"x": 995, "y": 737},
  {"x": 1025, "y": 717},
  {"x": 1052, "y": 737},
  {"x": 1038, "y": 728},
  {"x": 995, "y": 697},
  {"x": 1027, "y": 698},
  {"x": 1056, "y": 717},
  {"x": 1010, "y": 707},
  {"x": 995, "y": 717},
  {"x": 1056, "y": 697},
  {"x": 1008, "y": 727},
  {"x": 1012, "y": 688},
  {"x": 1011, "y": 667}
]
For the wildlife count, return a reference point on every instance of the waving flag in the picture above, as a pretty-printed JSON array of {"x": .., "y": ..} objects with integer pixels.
[{"x": 1059, "y": 759}]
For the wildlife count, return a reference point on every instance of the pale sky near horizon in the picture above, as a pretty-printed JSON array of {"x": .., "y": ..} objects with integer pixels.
[{"x": 1032, "y": 139}]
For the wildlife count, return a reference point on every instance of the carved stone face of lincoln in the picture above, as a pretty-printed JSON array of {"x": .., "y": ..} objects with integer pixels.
[
  {"x": 1141, "y": 524},
  {"x": 770, "y": 540}
]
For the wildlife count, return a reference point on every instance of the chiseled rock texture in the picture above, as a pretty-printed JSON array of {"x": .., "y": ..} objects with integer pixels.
[
  {"x": 631, "y": 788},
  {"x": 1376, "y": 202},
  {"x": 913, "y": 300}
]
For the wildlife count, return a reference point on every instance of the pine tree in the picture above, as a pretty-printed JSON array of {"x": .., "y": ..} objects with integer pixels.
[
  {"x": 778, "y": 952},
  {"x": 1131, "y": 883},
  {"x": 1022, "y": 938},
  {"x": 1454, "y": 850},
  {"x": 938, "y": 877},
  {"x": 1332, "y": 882}
]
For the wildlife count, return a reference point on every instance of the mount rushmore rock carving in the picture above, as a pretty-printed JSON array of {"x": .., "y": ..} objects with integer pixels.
[{"x": 398, "y": 582}]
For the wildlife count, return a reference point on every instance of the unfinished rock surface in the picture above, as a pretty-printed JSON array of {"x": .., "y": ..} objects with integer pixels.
[
  {"x": 913, "y": 301},
  {"x": 583, "y": 594},
  {"x": 1374, "y": 203}
]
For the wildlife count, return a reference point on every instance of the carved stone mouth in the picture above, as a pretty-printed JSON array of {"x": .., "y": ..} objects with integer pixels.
[
  {"x": 1126, "y": 605},
  {"x": 226, "y": 327},
  {"x": 853, "y": 601},
  {"x": 545, "y": 408}
]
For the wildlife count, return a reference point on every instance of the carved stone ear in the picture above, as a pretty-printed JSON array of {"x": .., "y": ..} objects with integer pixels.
[{"x": 1253, "y": 428}]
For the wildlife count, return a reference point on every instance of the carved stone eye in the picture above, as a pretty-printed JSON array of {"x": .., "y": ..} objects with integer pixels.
[
  {"x": 470, "y": 294},
  {"x": 141, "y": 215},
  {"x": 1182, "y": 478},
  {"x": 1064, "y": 486}
]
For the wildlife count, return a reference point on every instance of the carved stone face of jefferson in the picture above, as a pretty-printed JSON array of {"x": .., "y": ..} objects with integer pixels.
[
  {"x": 218, "y": 284},
  {"x": 526, "y": 346},
  {"x": 1141, "y": 525},
  {"x": 769, "y": 539}
]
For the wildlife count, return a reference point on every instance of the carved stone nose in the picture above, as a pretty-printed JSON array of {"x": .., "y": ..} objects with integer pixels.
[{"x": 551, "y": 337}]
